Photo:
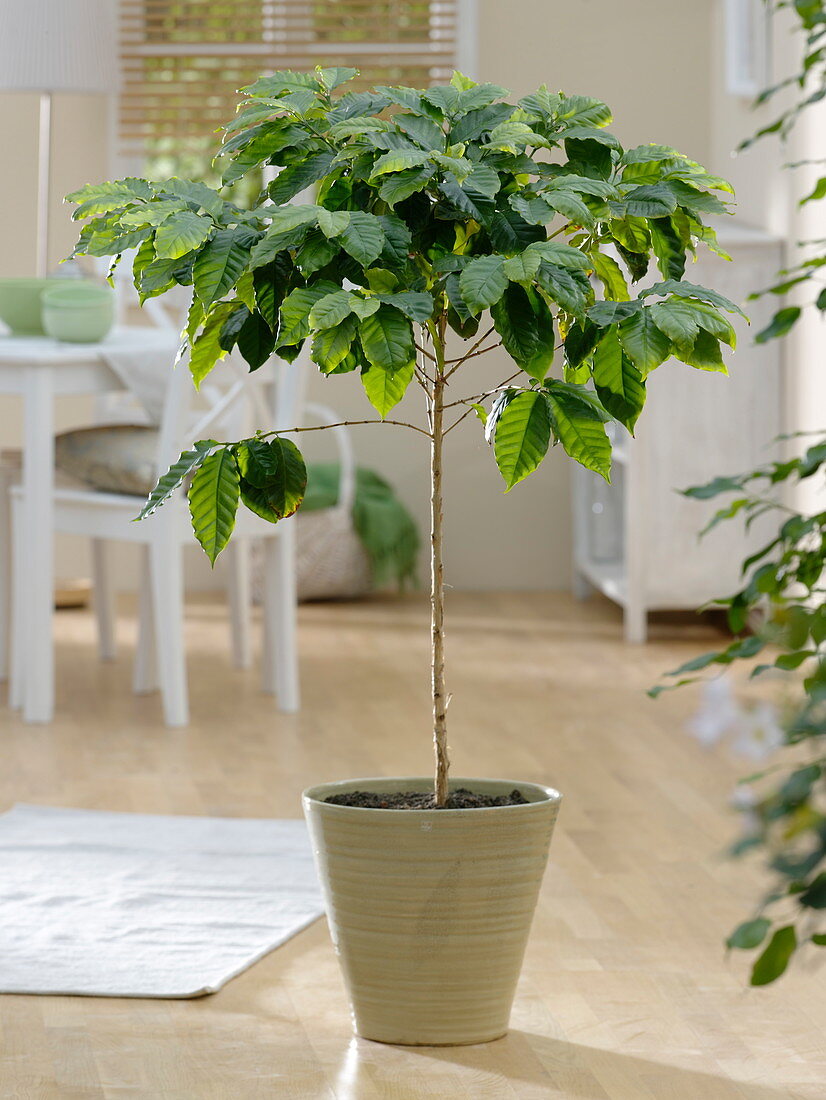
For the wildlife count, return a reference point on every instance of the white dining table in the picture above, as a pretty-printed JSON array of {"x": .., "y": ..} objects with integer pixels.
[{"x": 40, "y": 370}]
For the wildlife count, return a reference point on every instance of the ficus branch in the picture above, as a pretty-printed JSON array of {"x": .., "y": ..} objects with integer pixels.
[{"x": 456, "y": 363}]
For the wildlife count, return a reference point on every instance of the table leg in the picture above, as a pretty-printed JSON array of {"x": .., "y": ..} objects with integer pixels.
[{"x": 38, "y": 536}]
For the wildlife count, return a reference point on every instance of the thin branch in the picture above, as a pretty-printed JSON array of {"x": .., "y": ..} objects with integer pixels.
[
  {"x": 344, "y": 424},
  {"x": 458, "y": 362},
  {"x": 482, "y": 396},
  {"x": 457, "y": 422},
  {"x": 482, "y": 351},
  {"x": 425, "y": 352}
]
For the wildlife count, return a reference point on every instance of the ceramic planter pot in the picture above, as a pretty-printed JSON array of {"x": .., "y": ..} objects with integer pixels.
[{"x": 429, "y": 910}]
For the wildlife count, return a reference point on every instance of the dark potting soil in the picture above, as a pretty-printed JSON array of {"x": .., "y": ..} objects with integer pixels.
[{"x": 460, "y": 799}]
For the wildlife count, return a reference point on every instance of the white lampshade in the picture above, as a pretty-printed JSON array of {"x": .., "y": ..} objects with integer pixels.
[{"x": 57, "y": 46}]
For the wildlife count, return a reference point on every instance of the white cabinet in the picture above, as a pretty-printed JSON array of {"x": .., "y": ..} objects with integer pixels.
[{"x": 636, "y": 540}]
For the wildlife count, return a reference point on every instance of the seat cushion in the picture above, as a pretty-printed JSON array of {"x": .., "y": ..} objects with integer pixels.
[{"x": 112, "y": 458}]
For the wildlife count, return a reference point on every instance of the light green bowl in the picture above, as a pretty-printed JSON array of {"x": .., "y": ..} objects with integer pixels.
[
  {"x": 20, "y": 304},
  {"x": 78, "y": 312}
]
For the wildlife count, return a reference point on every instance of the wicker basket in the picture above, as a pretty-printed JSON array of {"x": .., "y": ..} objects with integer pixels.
[{"x": 332, "y": 563}]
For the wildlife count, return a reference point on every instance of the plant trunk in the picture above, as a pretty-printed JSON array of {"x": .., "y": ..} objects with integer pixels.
[{"x": 437, "y": 592}]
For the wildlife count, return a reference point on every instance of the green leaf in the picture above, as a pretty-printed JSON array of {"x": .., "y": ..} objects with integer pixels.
[
  {"x": 668, "y": 248},
  {"x": 483, "y": 282},
  {"x": 332, "y": 223},
  {"x": 291, "y": 181},
  {"x": 288, "y": 227},
  {"x": 181, "y": 233},
  {"x": 485, "y": 180},
  {"x": 206, "y": 348},
  {"x": 677, "y": 319},
  {"x": 387, "y": 339},
  {"x": 232, "y": 326},
  {"x": 331, "y": 347},
  {"x": 782, "y": 322},
  {"x": 256, "y": 341},
  {"x": 401, "y": 185},
  {"x": 704, "y": 353},
  {"x": 561, "y": 255},
  {"x": 522, "y": 436},
  {"x": 363, "y": 237},
  {"x": 691, "y": 290},
  {"x": 315, "y": 253},
  {"x": 295, "y": 311},
  {"x": 644, "y": 343},
  {"x": 273, "y": 477},
  {"x": 101, "y": 198},
  {"x": 581, "y": 433},
  {"x": 385, "y": 388},
  {"x": 619, "y": 384},
  {"x": 195, "y": 192},
  {"x": 417, "y": 305},
  {"x": 580, "y": 341},
  {"x": 749, "y": 934},
  {"x": 397, "y": 160},
  {"x": 221, "y": 263},
  {"x": 213, "y": 501},
  {"x": 774, "y": 960},
  {"x": 570, "y": 289},
  {"x": 397, "y": 240},
  {"x": 609, "y": 313},
  {"x": 522, "y": 267},
  {"x": 649, "y": 201},
  {"x": 814, "y": 897},
  {"x": 570, "y": 206},
  {"x": 270, "y": 285},
  {"x": 526, "y": 326},
  {"x": 608, "y": 272},
  {"x": 175, "y": 476},
  {"x": 331, "y": 310}
]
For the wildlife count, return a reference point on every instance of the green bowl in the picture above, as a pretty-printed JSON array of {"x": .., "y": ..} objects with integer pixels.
[
  {"x": 78, "y": 313},
  {"x": 20, "y": 304}
]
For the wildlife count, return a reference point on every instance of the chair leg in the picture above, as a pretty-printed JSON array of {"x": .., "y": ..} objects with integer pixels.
[
  {"x": 166, "y": 557},
  {"x": 240, "y": 599},
  {"x": 280, "y": 654},
  {"x": 103, "y": 600},
  {"x": 18, "y": 626},
  {"x": 5, "y": 574},
  {"x": 145, "y": 672}
]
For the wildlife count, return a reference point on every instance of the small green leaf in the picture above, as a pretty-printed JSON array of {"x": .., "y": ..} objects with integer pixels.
[
  {"x": 397, "y": 160},
  {"x": 608, "y": 272},
  {"x": 385, "y": 388},
  {"x": 483, "y": 282},
  {"x": 417, "y": 305},
  {"x": 782, "y": 322},
  {"x": 619, "y": 384},
  {"x": 206, "y": 349},
  {"x": 581, "y": 433},
  {"x": 522, "y": 267},
  {"x": 774, "y": 960},
  {"x": 526, "y": 326},
  {"x": 175, "y": 476},
  {"x": 363, "y": 238},
  {"x": 387, "y": 339},
  {"x": 213, "y": 501},
  {"x": 181, "y": 233},
  {"x": 332, "y": 223},
  {"x": 221, "y": 263},
  {"x": 331, "y": 347},
  {"x": 331, "y": 310},
  {"x": 749, "y": 934},
  {"x": 291, "y": 181},
  {"x": 295, "y": 311},
  {"x": 273, "y": 477},
  {"x": 270, "y": 285},
  {"x": 522, "y": 436},
  {"x": 644, "y": 344},
  {"x": 256, "y": 341}
]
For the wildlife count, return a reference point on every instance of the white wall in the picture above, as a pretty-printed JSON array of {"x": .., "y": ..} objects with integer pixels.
[{"x": 659, "y": 66}]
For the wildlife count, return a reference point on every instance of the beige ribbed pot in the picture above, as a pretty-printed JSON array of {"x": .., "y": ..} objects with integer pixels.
[{"x": 430, "y": 910}]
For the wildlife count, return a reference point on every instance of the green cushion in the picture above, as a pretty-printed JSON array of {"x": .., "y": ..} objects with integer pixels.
[{"x": 112, "y": 458}]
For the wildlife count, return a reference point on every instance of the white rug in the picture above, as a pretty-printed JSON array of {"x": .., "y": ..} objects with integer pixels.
[{"x": 133, "y": 905}]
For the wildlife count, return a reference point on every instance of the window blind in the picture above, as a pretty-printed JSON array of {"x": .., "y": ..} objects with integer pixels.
[{"x": 182, "y": 61}]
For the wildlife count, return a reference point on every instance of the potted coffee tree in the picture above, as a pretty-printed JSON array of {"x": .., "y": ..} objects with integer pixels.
[{"x": 445, "y": 222}]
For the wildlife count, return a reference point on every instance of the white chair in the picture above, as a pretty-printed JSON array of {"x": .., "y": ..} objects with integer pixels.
[{"x": 160, "y": 659}]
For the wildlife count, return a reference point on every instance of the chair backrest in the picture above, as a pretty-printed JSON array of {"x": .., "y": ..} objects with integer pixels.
[{"x": 234, "y": 405}]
